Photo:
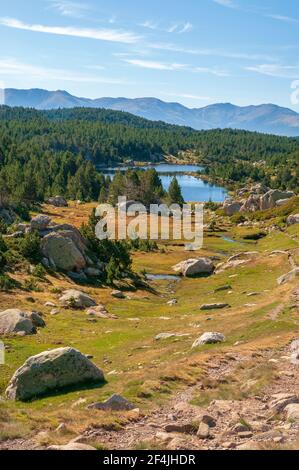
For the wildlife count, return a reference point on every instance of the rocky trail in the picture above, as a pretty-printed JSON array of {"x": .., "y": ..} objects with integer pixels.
[{"x": 225, "y": 424}]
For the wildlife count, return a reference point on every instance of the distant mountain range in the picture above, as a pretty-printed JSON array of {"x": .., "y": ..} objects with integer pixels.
[{"x": 267, "y": 118}]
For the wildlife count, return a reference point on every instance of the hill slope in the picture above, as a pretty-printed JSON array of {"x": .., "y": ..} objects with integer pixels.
[{"x": 267, "y": 118}]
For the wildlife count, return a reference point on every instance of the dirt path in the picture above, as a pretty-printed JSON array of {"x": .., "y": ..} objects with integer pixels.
[{"x": 246, "y": 423}]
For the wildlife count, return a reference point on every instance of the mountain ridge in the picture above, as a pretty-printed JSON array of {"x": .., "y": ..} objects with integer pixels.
[{"x": 266, "y": 118}]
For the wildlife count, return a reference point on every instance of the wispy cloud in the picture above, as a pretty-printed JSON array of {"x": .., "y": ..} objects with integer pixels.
[
  {"x": 226, "y": 3},
  {"x": 150, "y": 64},
  {"x": 155, "y": 65},
  {"x": 276, "y": 70},
  {"x": 209, "y": 52},
  {"x": 14, "y": 67},
  {"x": 69, "y": 8},
  {"x": 111, "y": 35},
  {"x": 285, "y": 19},
  {"x": 186, "y": 28},
  {"x": 179, "y": 27},
  {"x": 187, "y": 96}
]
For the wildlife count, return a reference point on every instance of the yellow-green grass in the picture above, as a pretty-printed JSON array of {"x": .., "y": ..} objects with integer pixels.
[{"x": 147, "y": 371}]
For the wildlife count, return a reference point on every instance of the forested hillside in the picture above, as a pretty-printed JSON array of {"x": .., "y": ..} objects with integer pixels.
[{"x": 55, "y": 152}]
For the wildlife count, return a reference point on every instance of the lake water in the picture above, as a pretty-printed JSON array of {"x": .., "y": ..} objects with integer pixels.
[{"x": 193, "y": 189}]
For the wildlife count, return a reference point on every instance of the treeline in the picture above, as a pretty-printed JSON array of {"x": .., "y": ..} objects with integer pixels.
[{"x": 43, "y": 153}]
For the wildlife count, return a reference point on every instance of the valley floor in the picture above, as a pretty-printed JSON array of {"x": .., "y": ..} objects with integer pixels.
[{"x": 172, "y": 385}]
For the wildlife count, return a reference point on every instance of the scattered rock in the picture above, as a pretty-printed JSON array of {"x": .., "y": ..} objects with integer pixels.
[
  {"x": 118, "y": 294},
  {"x": 50, "y": 371},
  {"x": 293, "y": 219},
  {"x": 180, "y": 428},
  {"x": 36, "y": 319},
  {"x": 209, "y": 338},
  {"x": 193, "y": 267},
  {"x": 203, "y": 431},
  {"x": 57, "y": 201},
  {"x": 268, "y": 200},
  {"x": 172, "y": 302},
  {"x": 92, "y": 272},
  {"x": 72, "y": 446},
  {"x": 281, "y": 400},
  {"x": 61, "y": 429},
  {"x": 223, "y": 288},
  {"x": 40, "y": 222},
  {"x": 100, "y": 312},
  {"x": 114, "y": 403},
  {"x": 231, "y": 207},
  {"x": 214, "y": 306},
  {"x": 290, "y": 276},
  {"x": 245, "y": 434},
  {"x": 292, "y": 411},
  {"x": 14, "y": 321},
  {"x": 209, "y": 420},
  {"x": 76, "y": 299}
]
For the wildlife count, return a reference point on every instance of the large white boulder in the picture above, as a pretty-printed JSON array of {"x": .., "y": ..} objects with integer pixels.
[
  {"x": 209, "y": 338},
  {"x": 195, "y": 266},
  {"x": 15, "y": 321},
  {"x": 61, "y": 249},
  {"x": 50, "y": 371},
  {"x": 76, "y": 299}
]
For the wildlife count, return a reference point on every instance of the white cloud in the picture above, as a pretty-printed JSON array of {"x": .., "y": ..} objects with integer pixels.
[
  {"x": 212, "y": 71},
  {"x": 149, "y": 24},
  {"x": 90, "y": 33},
  {"x": 226, "y": 3},
  {"x": 209, "y": 52},
  {"x": 69, "y": 8},
  {"x": 276, "y": 70},
  {"x": 173, "y": 28},
  {"x": 13, "y": 67},
  {"x": 188, "y": 96},
  {"x": 286, "y": 19},
  {"x": 187, "y": 27},
  {"x": 150, "y": 64}
]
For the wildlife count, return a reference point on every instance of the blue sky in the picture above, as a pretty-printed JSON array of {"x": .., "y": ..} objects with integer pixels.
[{"x": 196, "y": 52}]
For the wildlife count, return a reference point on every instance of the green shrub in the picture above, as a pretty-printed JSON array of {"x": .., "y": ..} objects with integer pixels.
[
  {"x": 39, "y": 271},
  {"x": 238, "y": 218},
  {"x": 29, "y": 247},
  {"x": 31, "y": 284},
  {"x": 6, "y": 283}
]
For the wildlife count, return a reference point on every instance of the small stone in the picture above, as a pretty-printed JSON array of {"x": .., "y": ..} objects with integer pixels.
[
  {"x": 118, "y": 294},
  {"x": 115, "y": 403},
  {"x": 203, "y": 431},
  {"x": 214, "y": 306},
  {"x": 209, "y": 420},
  {"x": 61, "y": 429},
  {"x": 245, "y": 434}
]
